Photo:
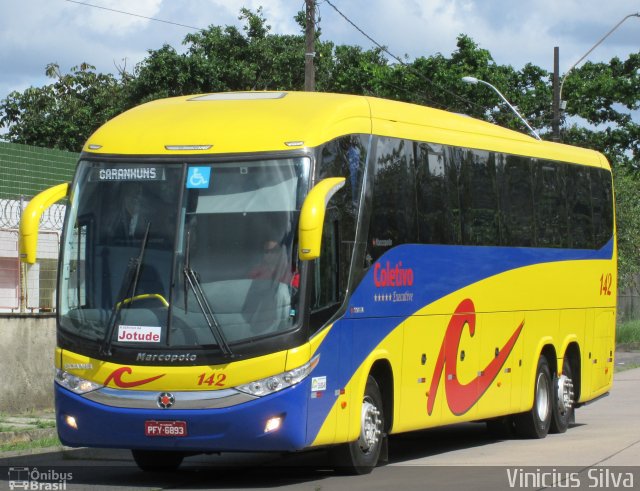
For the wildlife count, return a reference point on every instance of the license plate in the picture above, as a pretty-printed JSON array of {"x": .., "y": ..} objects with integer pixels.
[{"x": 165, "y": 428}]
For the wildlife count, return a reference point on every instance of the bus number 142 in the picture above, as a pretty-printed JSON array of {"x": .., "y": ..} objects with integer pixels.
[
  {"x": 605, "y": 284},
  {"x": 216, "y": 379}
]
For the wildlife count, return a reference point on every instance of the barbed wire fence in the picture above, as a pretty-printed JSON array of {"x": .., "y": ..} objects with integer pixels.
[{"x": 24, "y": 172}]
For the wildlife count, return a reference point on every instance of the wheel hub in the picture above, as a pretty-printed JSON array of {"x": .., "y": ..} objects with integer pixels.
[
  {"x": 564, "y": 393},
  {"x": 542, "y": 397},
  {"x": 371, "y": 426}
]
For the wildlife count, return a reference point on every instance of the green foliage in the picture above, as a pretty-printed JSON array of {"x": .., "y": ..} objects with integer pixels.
[
  {"x": 604, "y": 94},
  {"x": 48, "y": 442},
  {"x": 627, "y": 184},
  {"x": 63, "y": 114},
  {"x": 628, "y": 332},
  {"x": 222, "y": 59}
]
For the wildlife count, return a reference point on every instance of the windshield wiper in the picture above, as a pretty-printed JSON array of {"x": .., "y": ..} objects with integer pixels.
[
  {"x": 129, "y": 283},
  {"x": 191, "y": 277}
]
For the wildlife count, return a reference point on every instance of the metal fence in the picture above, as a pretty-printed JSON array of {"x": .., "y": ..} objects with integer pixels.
[
  {"x": 9, "y": 271},
  {"x": 24, "y": 172},
  {"x": 28, "y": 288}
]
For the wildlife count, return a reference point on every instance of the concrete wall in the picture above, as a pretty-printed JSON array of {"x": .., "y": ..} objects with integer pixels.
[{"x": 27, "y": 344}]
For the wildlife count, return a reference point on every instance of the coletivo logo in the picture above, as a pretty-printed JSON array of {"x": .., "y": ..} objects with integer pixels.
[
  {"x": 392, "y": 276},
  {"x": 461, "y": 397}
]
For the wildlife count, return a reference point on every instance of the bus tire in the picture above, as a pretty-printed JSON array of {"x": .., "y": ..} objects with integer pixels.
[
  {"x": 563, "y": 399},
  {"x": 361, "y": 456},
  {"x": 536, "y": 422},
  {"x": 157, "y": 461}
]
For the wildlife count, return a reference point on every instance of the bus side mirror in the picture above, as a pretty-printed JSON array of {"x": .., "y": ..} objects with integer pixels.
[
  {"x": 312, "y": 217},
  {"x": 30, "y": 221}
]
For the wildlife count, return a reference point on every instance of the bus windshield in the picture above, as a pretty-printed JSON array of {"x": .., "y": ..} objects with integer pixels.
[{"x": 182, "y": 255}]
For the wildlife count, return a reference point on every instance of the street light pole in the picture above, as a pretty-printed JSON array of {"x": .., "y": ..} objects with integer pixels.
[
  {"x": 563, "y": 103},
  {"x": 474, "y": 80}
]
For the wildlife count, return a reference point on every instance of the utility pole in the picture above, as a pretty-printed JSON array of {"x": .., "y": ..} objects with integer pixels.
[
  {"x": 556, "y": 95},
  {"x": 309, "y": 46}
]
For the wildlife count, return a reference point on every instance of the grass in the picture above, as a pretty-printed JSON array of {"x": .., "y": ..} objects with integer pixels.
[
  {"x": 5, "y": 428},
  {"x": 41, "y": 443},
  {"x": 624, "y": 368},
  {"x": 628, "y": 332},
  {"x": 39, "y": 424},
  {"x": 42, "y": 424}
]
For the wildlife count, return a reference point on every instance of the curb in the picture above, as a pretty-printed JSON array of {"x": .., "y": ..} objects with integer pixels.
[{"x": 4, "y": 456}]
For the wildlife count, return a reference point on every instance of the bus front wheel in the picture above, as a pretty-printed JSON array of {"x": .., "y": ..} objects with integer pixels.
[
  {"x": 361, "y": 456},
  {"x": 157, "y": 461},
  {"x": 535, "y": 423}
]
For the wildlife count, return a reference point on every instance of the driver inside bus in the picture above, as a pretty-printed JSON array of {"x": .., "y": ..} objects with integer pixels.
[
  {"x": 273, "y": 264},
  {"x": 268, "y": 301},
  {"x": 131, "y": 214}
]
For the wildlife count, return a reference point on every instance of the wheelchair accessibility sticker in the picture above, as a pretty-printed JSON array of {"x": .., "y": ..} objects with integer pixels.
[{"x": 198, "y": 177}]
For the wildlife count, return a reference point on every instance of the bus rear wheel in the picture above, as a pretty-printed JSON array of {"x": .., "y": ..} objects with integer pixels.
[
  {"x": 157, "y": 461},
  {"x": 536, "y": 422},
  {"x": 361, "y": 456},
  {"x": 563, "y": 399}
]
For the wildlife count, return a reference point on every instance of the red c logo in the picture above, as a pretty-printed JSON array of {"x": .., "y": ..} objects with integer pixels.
[
  {"x": 116, "y": 376},
  {"x": 461, "y": 398}
]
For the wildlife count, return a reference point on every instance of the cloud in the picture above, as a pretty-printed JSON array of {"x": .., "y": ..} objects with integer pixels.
[{"x": 107, "y": 20}]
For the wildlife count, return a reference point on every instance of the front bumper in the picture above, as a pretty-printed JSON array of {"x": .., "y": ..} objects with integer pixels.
[{"x": 236, "y": 428}]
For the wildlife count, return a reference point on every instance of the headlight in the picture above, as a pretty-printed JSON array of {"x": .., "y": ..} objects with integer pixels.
[
  {"x": 278, "y": 382},
  {"x": 75, "y": 383}
]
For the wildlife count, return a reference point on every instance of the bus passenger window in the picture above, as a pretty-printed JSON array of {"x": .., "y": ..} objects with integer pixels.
[
  {"x": 435, "y": 218},
  {"x": 393, "y": 217},
  {"x": 602, "y": 209},
  {"x": 516, "y": 200},
  {"x": 579, "y": 207},
  {"x": 550, "y": 191},
  {"x": 478, "y": 195}
]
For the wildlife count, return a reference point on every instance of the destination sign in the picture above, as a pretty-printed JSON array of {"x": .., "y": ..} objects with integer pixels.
[{"x": 128, "y": 174}]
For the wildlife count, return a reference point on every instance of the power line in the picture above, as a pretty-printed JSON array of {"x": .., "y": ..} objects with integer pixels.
[
  {"x": 135, "y": 15},
  {"x": 399, "y": 60}
]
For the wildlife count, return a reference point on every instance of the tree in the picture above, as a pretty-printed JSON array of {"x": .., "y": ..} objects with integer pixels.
[
  {"x": 63, "y": 114},
  {"x": 603, "y": 94},
  {"x": 222, "y": 59},
  {"x": 627, "y": 183}
]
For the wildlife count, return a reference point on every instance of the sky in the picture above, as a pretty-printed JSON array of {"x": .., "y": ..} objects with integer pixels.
[{"x": 34, "y": 33}]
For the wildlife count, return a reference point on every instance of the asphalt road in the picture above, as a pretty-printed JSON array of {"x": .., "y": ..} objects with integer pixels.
[{"x": 602, "y": 451}]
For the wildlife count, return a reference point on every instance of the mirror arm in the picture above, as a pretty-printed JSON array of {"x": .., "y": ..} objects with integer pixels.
[
  {"x": 30, "y": 220},
  {"x": 312, "y": 217}
]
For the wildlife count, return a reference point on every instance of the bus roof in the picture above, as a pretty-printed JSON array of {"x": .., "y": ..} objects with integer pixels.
[{"x": 242, "y": 122}]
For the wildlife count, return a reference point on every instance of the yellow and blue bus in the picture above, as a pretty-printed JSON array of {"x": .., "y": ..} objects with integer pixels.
[{"x": 281, "y": 271}]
